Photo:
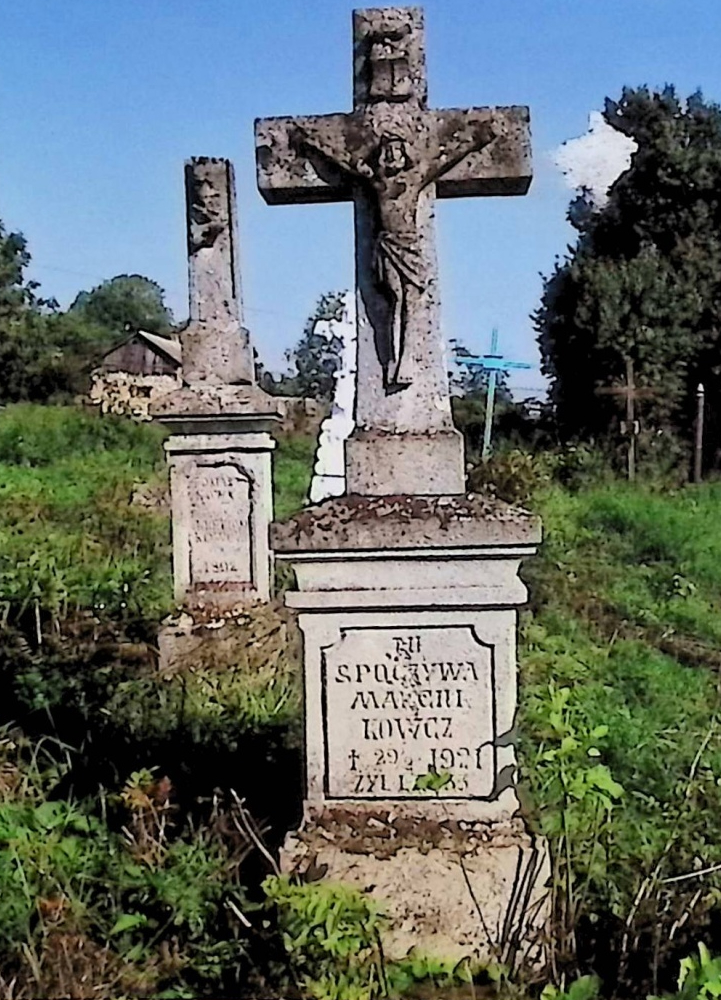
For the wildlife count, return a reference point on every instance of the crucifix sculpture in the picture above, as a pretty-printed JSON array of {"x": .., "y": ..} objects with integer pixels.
[{"x": 392, "y": 156}]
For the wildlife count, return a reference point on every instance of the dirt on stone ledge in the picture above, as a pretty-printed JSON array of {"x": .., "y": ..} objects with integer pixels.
[
  {"x": 382, "y": 833},
  {"x": 358, "y": 521}
]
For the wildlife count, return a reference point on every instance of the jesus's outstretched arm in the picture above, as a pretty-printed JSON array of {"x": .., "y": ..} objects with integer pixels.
[{"x": 314, "y": 138}]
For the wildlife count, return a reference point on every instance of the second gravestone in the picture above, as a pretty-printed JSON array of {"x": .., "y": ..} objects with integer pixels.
[
  {"x": 407, "y": 589},
  {"x": 220, "y": 421}
]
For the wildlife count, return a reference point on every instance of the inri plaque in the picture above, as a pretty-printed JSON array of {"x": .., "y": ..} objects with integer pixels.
[
  {"x": 408, "y": 713},
  {"x": 219, "y": 498}
]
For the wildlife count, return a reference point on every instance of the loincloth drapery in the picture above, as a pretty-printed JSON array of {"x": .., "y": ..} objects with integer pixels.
[
  {"x": 397, "y": 263},
  {"x": 397, "y": 252}
]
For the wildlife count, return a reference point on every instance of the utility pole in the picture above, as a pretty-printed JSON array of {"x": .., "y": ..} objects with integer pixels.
[
  {"x": 698, "y": 444},
  {"x": 493, "y": 363}
]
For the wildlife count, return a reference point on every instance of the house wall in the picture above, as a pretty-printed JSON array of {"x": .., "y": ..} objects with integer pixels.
[{"x": 137, "y": 358}]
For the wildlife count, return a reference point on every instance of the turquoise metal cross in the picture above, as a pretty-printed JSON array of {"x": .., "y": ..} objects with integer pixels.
[{"x": 493, "y": 363}]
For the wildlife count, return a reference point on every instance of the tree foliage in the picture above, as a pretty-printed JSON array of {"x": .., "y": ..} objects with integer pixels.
[
  {"x": 46, "y": 354},
  {"x": 315, "y": 358},
  {"x": 643, "y": 281},
  {"x": 43, "y": 353},
  {"x": 127, "y": 302}
]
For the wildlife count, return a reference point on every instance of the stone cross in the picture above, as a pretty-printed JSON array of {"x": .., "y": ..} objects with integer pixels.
[
  {"x": 216, "y": 345},
  {"x": 392, "y": 156}
]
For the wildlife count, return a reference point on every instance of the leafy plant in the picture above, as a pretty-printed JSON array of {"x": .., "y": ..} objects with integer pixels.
[
  {"x": 700, "y": 977},
  {"x": 331, "y": 934},
  {"x": 584, "y": 988},
  {"x": 579, "y": 796}
]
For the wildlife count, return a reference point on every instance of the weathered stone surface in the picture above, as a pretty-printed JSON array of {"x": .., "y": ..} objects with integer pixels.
[
  {"x": 405, "y": 522},
  {"x": 407, "y": 589},
  {"x": 220, "y": 447},
  {"x": 410, "y": 701},
  {"x": 216, "y": 346},
  {"x": 392, "y": 157},
  {"x": 479, "y": 634},
  {"x": 410, "y": 705},
  {"x": 402, "y": 704},
  {"x": 221, "y": 495},
  {"x": 453, "y": 890},
  {"x": 379, "y": 463},
  {"x": 219, "y": 504},
  {"x": 216, "y": 401}
]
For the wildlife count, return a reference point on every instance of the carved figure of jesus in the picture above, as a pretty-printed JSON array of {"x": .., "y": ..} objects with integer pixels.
[{"x": 393, "y": 167}]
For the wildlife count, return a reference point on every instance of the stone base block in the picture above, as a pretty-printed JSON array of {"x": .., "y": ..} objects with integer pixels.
[
  {"x": 222, "y": 504},
  {"x": 382, "y": 464},
  {"x": 454, "y": 891}
]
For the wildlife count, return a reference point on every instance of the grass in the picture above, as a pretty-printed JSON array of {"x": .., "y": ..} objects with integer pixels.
[
  {"x": 292, "y": 471},
  {"x": 136, "y": 891},
  {"x": 620, "y": 657},
  {"x": 73, "y": 534},
  {"x": 626, "y": 623}
]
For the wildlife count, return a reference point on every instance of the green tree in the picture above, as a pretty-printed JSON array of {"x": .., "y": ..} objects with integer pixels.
[
  {"x": 16, "y": 293},
  {"x": 44, "y": 354},
  {"x": 315, "y": 358},
  {"x": 643, "y": 281},
  {"x": 125, "y": 302}
]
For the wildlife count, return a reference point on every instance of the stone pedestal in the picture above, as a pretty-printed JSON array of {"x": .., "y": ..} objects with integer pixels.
[
  {"x": 219, "y": 454},
  {"x": 379, "y": 463},
  {"x": 408, "y": 608}
]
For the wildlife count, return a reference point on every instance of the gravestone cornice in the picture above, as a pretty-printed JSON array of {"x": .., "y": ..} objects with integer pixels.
[{"x": 359, "y": 522}]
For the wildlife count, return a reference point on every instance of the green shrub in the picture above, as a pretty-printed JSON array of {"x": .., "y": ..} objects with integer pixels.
[
  {"x": 332, "y": 937},
  {"x": 514, "y": 476},
  {"x": 700, "y": 978},
  {"x": 150, "y": 905},
  {"x": 627, "y": 621},
  {"x": 292, "y": 472}
]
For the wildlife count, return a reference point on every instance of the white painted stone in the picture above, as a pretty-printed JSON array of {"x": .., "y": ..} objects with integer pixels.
[{"x": 329, "y": 468}]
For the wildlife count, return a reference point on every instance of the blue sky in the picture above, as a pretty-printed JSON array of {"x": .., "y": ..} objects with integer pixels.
[{"x": 102, "y": 100}]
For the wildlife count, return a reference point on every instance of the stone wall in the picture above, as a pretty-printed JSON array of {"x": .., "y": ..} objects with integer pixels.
[{"x": 131, "y": 395}]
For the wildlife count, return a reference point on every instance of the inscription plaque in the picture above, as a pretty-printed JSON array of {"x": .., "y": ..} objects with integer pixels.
[
  {"x": 408, "y": 713},
  {"x": 219, "y": 498}
]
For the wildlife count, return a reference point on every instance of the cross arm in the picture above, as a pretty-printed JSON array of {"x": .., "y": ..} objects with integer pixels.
[
  {"x": 491, "y": 363},
  {"x": 476, "y": 166},
  {"x": 303, "y": 159}
]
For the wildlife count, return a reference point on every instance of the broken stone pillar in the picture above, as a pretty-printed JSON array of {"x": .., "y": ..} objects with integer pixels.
[
  {"x": 407, "y": 589},
  {"x": 220, "y": 445}
]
